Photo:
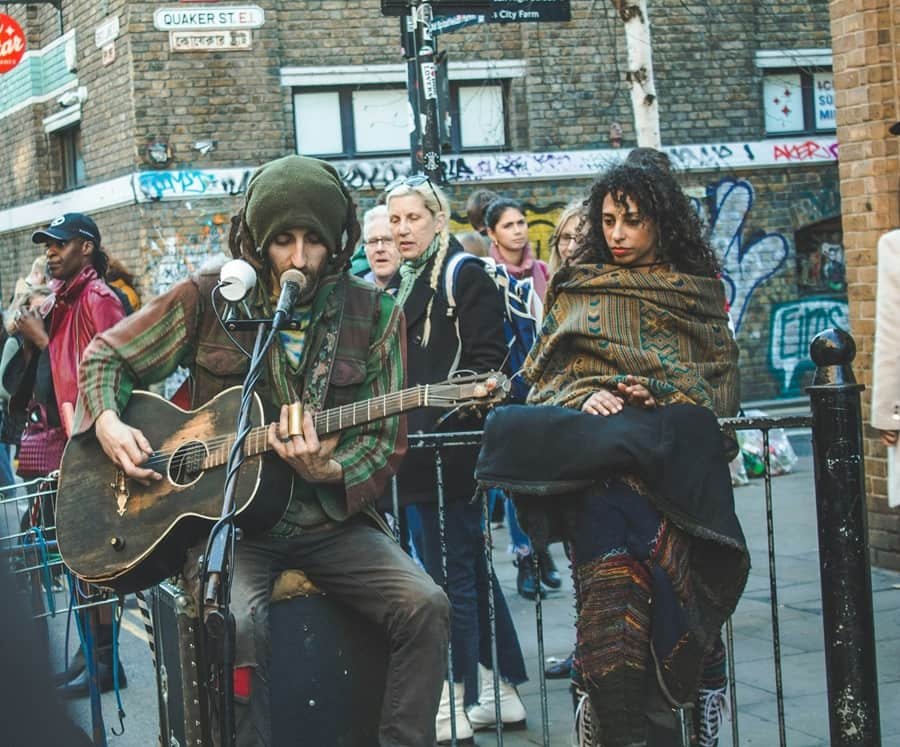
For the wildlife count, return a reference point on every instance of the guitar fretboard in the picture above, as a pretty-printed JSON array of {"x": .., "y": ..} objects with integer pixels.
[{"x": 327, "y": 421}]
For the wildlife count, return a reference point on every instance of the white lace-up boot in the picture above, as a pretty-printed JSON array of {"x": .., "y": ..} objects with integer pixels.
[
  {"x": 512, "y": 710},
  {"x": 464, "y": 734}
]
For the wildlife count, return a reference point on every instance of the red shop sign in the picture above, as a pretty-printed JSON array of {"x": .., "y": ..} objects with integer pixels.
[{"x": 12, "y": 43}]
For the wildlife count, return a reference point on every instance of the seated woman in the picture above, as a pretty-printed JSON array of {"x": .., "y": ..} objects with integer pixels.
[{"x": 637, "y": 320}]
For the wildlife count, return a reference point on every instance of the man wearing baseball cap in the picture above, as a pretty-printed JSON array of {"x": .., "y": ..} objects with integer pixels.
[
  {"x": 45, "y": 371},
  {"x": 67, "y": 227}
]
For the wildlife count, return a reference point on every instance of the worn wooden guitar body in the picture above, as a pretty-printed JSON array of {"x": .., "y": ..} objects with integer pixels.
[
  {"x": 116, "y": 532},
  {"x": 113, "y": 531}
]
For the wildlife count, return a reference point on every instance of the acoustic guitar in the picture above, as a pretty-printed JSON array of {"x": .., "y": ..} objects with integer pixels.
[{"x": 113, "y": 531}]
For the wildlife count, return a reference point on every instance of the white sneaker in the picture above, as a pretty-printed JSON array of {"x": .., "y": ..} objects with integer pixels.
[
  {"x": 482, "y": 715},
  {"x": 464, "y": 734}
]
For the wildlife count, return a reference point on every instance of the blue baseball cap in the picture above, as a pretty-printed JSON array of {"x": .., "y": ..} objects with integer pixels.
[{"x": 66, "y": 227}]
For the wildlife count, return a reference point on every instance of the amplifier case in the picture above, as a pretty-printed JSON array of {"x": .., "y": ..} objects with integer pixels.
[{"x": 180, "y": 674}]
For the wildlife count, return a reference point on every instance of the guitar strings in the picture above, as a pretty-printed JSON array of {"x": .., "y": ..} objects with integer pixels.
[{"x": 201, "y": 449}]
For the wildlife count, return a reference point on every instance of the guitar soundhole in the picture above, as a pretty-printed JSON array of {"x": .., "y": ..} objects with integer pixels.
[{"x": 186, "y": 464}]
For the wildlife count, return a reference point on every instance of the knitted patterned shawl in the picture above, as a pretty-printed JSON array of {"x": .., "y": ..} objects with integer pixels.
[{"x": 669, "y": 330}]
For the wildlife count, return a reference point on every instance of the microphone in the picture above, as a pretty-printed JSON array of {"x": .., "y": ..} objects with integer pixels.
[
  {"x": 236, "y": 279},
  {"x": 293, "y": 283}
]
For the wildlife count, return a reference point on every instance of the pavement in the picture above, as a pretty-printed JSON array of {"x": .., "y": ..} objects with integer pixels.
[{"x": 801, "y": 636}]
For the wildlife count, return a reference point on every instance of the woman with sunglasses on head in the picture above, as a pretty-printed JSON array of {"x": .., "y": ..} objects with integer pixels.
[
  {"x": 438, "y": 345},
  {"x": 638, "y": 323}
]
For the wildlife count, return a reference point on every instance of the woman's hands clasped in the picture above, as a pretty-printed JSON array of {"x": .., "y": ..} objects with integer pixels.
[{"x": 629, "y": 392}]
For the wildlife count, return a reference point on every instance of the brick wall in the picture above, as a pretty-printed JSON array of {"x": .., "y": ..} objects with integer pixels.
[
  {"x": 708, "y": 85},
  {"x": 867, "y": 79}
]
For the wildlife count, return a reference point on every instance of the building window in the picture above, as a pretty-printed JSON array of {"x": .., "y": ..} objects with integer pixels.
[
  {"x": 797, "y": 102},
  {"x": 354, "y": 121},
  {"x": 480, "y": 120},
  {"x": 71, "y": 159},
  {"x": 798, "y": 91}
]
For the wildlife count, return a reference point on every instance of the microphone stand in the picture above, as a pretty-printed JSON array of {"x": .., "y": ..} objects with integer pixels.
[{"x": 217, "y": 562}]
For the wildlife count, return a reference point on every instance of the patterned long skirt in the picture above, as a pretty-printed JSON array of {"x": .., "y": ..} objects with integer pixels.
[{"x": 638, "y": 641}]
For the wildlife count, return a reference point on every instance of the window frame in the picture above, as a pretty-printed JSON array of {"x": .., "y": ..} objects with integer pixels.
[
  {"x": 308, "y": 79},
  {"x": 807, "y": 97},
  {"x": 70, "y": 155},
  {"x": 806, "y": 63},
  {"x": 455, "y": 120},
  {"x": 348, "y": 133}
]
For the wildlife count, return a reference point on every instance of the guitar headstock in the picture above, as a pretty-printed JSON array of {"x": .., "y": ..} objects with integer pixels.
[{"x": 470, "y": 390}]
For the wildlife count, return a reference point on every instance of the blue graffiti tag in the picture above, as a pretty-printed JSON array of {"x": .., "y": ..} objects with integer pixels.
[
  {"x": 158, "y": 184},
  {"x": 745, "y": 265}
]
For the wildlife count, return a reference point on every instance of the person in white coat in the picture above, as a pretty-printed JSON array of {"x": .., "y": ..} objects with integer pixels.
[{"x": 886, "y": 364}]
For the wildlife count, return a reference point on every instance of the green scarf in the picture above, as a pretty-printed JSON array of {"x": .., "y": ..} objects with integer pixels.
[
  {"x": 410, "y": 269},
  {"x": 668, "y": 329}
]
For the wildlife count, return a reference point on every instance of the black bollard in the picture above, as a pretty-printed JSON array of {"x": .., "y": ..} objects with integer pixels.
[{"x": 843, "y": 543}]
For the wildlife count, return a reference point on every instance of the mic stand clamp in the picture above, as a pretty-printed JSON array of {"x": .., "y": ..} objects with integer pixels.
[{"x": 242, "y": 325}]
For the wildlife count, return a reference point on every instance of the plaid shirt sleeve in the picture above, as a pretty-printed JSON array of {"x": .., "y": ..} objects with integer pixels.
[
  {"x": 370, "y": 454},
  {"x": 142, "y": 349}
]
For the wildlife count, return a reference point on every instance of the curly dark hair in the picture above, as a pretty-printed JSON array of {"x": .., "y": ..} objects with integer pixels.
[
  {"x": 658, "y": 198},
  {"x": 242, "y": 245}
]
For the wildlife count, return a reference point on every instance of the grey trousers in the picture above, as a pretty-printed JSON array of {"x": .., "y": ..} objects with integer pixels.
[{"x": 361, "y": 566}]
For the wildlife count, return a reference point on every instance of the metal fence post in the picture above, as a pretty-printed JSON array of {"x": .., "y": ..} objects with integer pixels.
[{"x": 843, "y": 543}]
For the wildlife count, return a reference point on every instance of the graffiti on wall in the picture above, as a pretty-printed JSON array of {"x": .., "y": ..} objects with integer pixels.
[
  {"x": 793, "y": 327},
  {"x": 173, "y": 256},
  {"x": 189, "y": 183},
  {"x": 377, "y": 173},
  {"x": 747, "y": 262}
]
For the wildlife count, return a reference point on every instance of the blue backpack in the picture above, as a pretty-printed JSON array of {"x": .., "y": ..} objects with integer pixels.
[{"x": 521, "y": 316}]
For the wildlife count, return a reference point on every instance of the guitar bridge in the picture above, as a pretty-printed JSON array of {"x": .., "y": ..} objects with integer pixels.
[{"x": 120, "y": 490}]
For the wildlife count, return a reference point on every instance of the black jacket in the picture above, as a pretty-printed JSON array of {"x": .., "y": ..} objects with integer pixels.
[{"x": 480, "y": 311}]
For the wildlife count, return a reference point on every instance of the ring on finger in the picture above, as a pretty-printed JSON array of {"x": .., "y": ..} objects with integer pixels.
[{"x": 285, "y": 440}]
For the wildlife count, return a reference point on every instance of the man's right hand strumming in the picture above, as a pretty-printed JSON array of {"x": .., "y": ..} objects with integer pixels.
[{"x": 126, "y": 447}]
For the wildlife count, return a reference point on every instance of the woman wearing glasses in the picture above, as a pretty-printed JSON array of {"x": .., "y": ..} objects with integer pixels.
[
  {"x": 419, "y": 213},
  {"x": 569, "y": 230}
]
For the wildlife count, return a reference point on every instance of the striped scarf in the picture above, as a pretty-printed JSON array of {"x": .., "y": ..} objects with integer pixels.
[{"x": 668, "y": 329}]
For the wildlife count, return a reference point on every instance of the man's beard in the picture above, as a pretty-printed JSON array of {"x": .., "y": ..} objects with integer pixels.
[{"x": 312, "y": 285}]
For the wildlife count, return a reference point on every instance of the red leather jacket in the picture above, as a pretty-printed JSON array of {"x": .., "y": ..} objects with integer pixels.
[{"x": 84, "y": 306}]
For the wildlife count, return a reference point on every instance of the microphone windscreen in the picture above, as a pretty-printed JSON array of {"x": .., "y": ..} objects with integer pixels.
[
  {"x": 294, "y": 276},
  {"x": 237, "y": 278}
]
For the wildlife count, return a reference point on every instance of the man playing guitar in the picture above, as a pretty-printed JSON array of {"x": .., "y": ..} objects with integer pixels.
[{"x": 347, "y": 347}]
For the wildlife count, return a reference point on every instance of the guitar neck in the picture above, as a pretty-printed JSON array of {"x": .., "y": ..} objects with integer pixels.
[{"x": 329, "y": 421}]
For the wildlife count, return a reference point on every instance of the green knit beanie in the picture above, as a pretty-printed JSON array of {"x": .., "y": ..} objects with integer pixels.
[{"x": 296, "y": 192}]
